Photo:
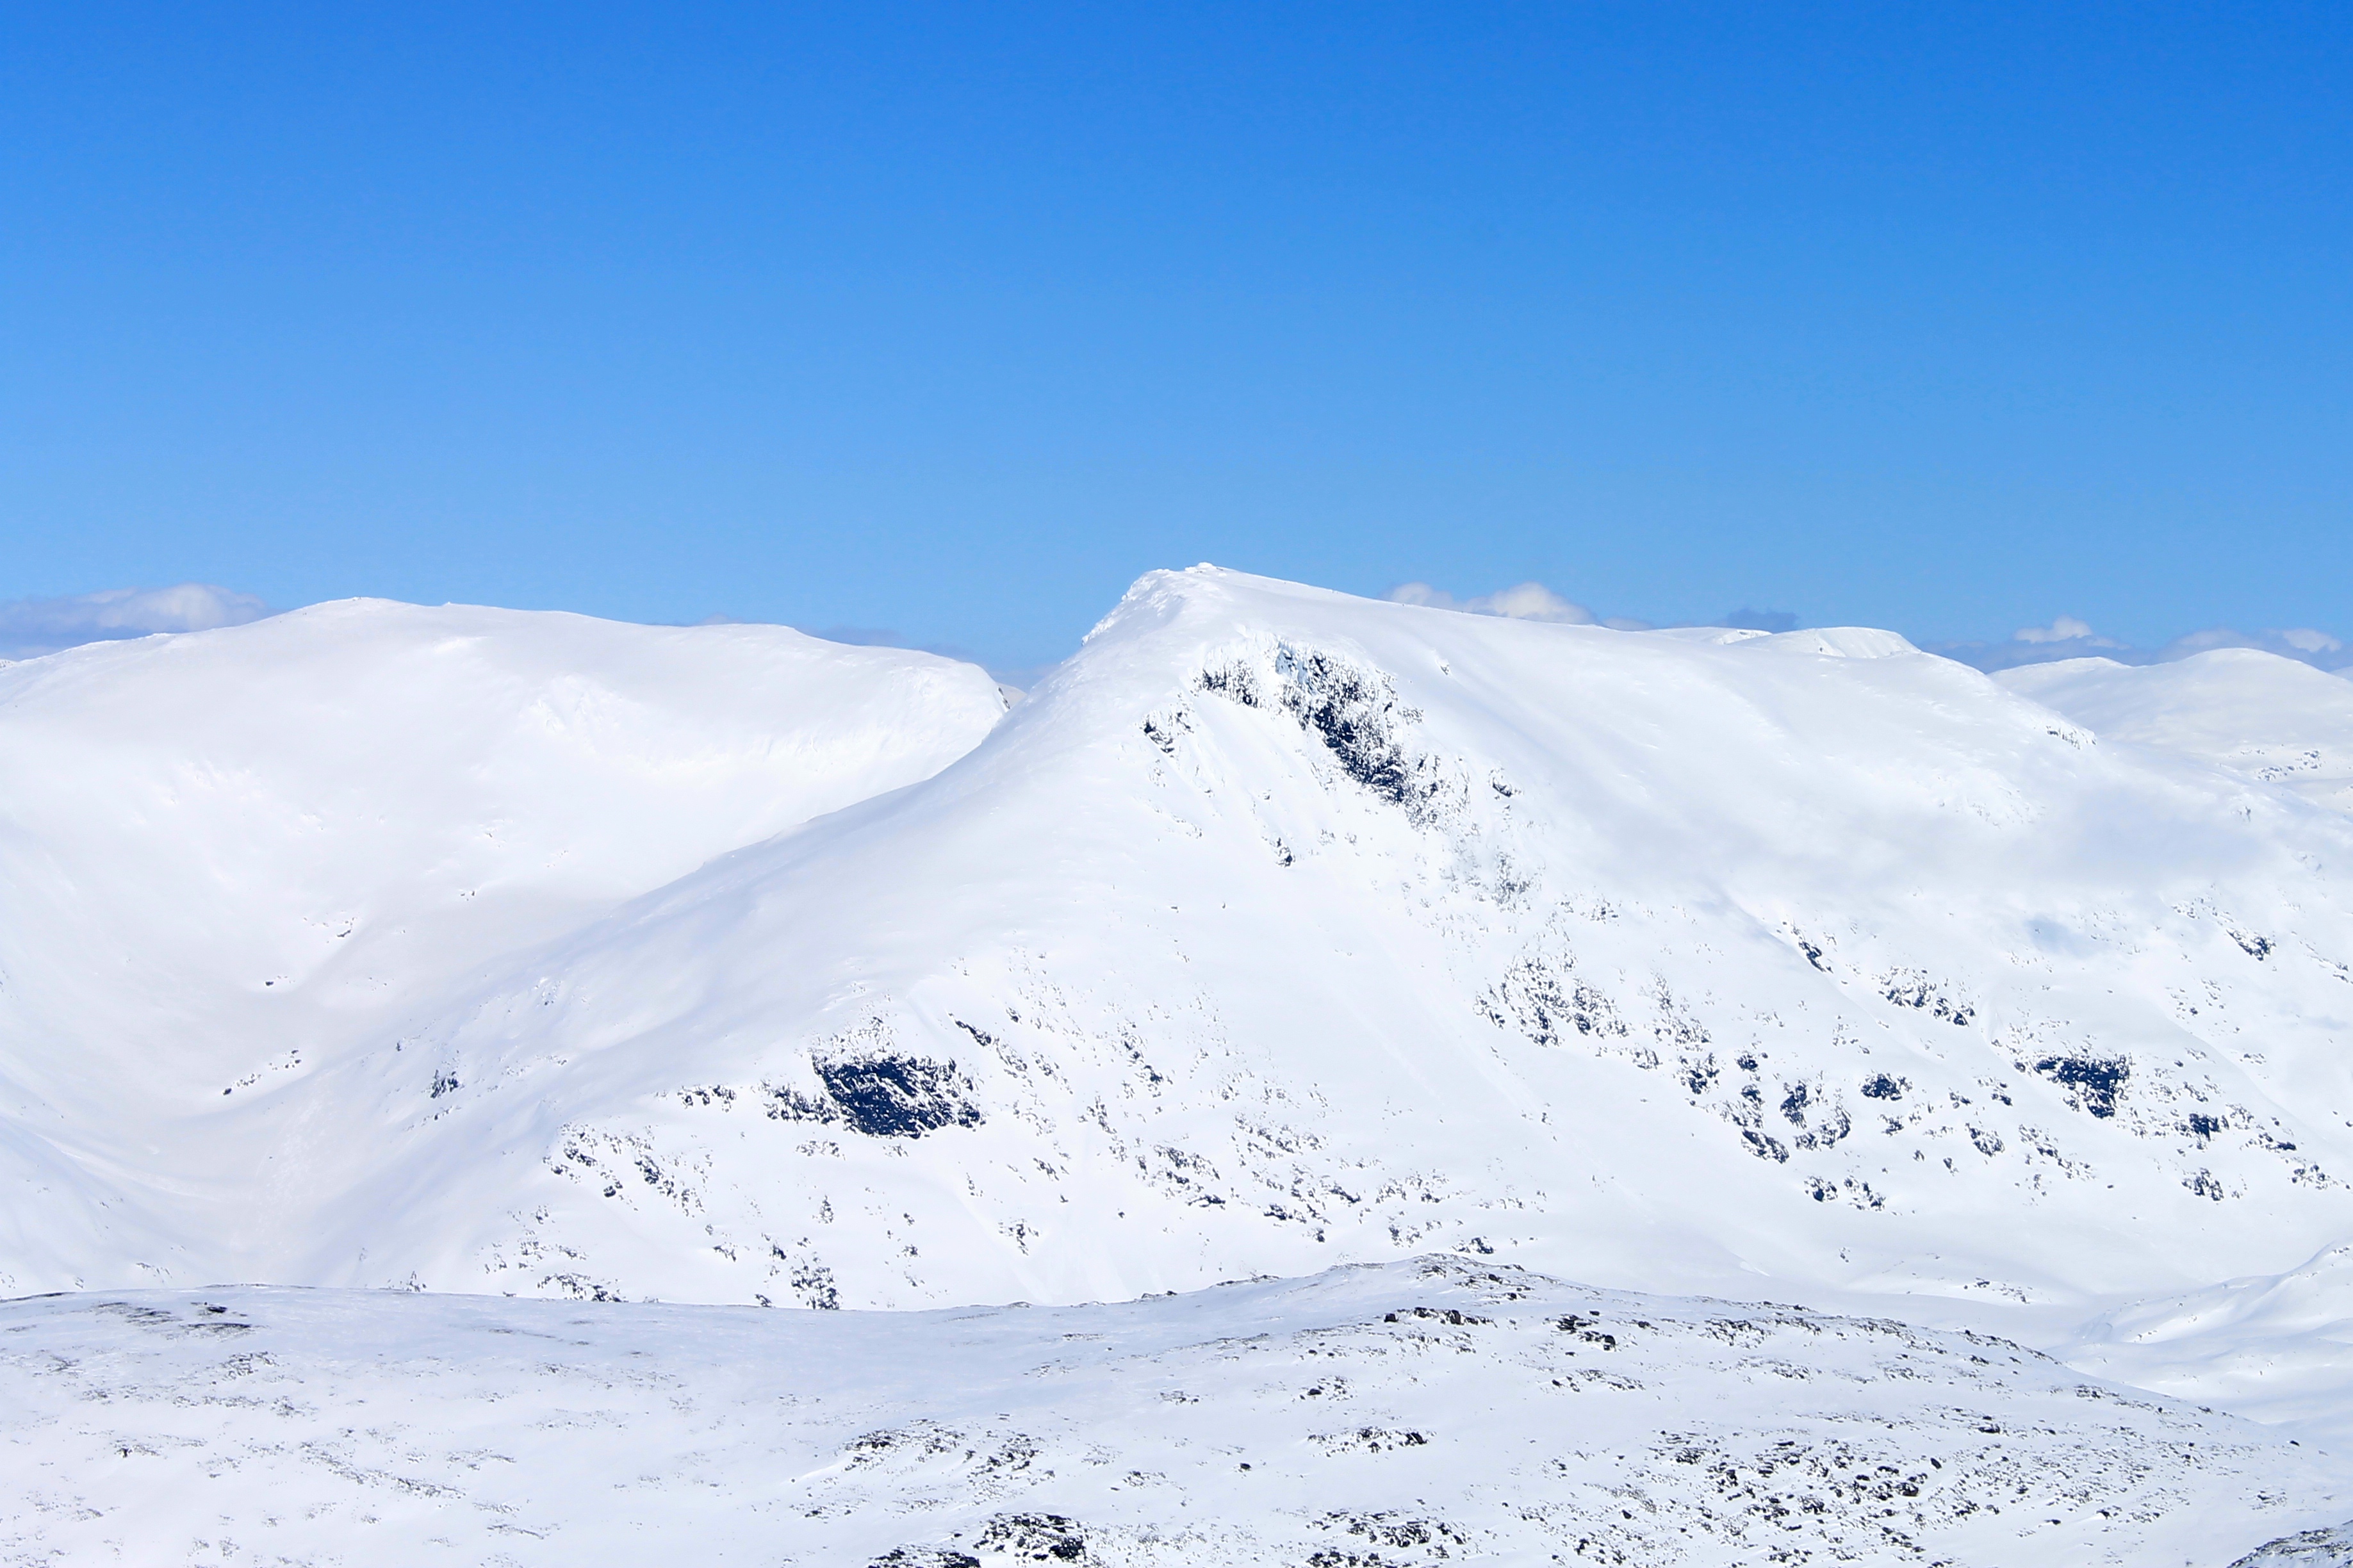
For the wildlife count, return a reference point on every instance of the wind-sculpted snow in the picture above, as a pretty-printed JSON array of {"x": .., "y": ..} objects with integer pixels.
[{"x": 1421, "y": 1413}]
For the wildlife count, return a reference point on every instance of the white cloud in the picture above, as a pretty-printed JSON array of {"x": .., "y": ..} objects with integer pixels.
[
  {"x": 1525, "y": 602},
  {"x": 1533, "y": 602},
  {"x": 2303, "y": 643},
  {"x": 2068, "y": 637},
  {"x": 30, "y": 628},
  {"x": 2065, "y": 628}
]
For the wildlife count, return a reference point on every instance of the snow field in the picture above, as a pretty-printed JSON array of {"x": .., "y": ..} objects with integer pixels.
[{"x": 1425, "y": 1412}]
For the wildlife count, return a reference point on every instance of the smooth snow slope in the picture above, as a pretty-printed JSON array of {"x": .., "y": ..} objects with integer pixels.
[
  {"x": 2267, "y": 718},
  {"x": 1409, "y": 1415},
  {"x": 1280, "y": 929},
  {"x": 227, "y": 857},
  {"x": 2278, "y": 1347}
]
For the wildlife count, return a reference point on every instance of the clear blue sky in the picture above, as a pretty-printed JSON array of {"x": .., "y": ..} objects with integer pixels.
[{"x": 954, "y": 319}]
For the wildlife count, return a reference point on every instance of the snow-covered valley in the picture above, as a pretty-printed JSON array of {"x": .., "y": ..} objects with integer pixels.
[{"x": 1278, "y": 932}]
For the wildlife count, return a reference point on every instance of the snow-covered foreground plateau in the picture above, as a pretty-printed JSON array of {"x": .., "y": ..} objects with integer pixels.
[
  {"x": 1416, "y": 1412},
  {"x": 1277, "y": 934}
]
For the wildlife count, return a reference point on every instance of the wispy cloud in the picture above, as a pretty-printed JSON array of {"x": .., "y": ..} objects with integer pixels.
[
  {"x": 2071, "y": 636},
  {"x": 2067, "y": 636},
  {"x": 1535, "y": 602},
  {"x": 1522, "y": 602},
  {"x": 30, "y": 628},
  {"x": 2063, "y": 630}
]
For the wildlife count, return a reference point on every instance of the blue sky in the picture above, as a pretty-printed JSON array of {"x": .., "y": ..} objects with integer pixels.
[{"x": 952, "y": 319}]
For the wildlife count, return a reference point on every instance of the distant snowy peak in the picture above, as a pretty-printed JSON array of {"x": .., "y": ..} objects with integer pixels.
[
  {"x": 361, "y": 766},
  {"x": 2270, "y": 719},
  {"x": 1838, "y": 642},
  {"x": 481, "y": 952}
]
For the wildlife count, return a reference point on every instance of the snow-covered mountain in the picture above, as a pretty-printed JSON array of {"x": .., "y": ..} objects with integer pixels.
[
  {"x": 1280, "y": 929},
  {"x": 479, "y": 951},
  {"x": 229, "y": 858},
  {"x": 2271, "y": 720}
]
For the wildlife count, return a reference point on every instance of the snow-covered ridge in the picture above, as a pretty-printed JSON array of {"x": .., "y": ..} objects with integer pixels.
[
  {"x": 2270, "y": 719},
  {"x": 2277, "y": 1347},
  {"x": 226, "y": 858}
]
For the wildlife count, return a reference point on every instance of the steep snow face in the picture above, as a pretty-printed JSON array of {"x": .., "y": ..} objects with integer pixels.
[
  {"x": 1280, "y": 928},
  {"x": 1420, "y": 1413},
  {"x": 226, "y": 857},
  {"x": 2264, "y": 717}
]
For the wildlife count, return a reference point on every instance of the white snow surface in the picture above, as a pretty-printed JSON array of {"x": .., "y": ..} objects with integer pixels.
[
  {"x": 1277, "y": 928},
  {"x": 2266, "y": 718},
  {"x": 1398, "y": 1415},
  {"x": 475, "y": 951},
  {"x": 230, "y": 860},
  {"x": 2276, "y": 1347},
  {"x": 1280, "y": 929}
]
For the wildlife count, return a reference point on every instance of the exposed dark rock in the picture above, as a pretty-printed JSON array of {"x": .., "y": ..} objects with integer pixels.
[
  {"x": 2328, "y": 1548},
  {"x": 882, "y": 1096},
  {"x": 1035, "y": 1538},
  {"x": 2095, "y": 1082}
]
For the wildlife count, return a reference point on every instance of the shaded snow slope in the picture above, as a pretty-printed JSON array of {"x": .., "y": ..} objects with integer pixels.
[
  {"x": 1280, "y": 928},
  {"x": 2266, "y": 718},
  {"x": 226, "y": 857},
  {"x": 1415, "y": 1413},
  {"x": 2276, "y": 1347}
]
